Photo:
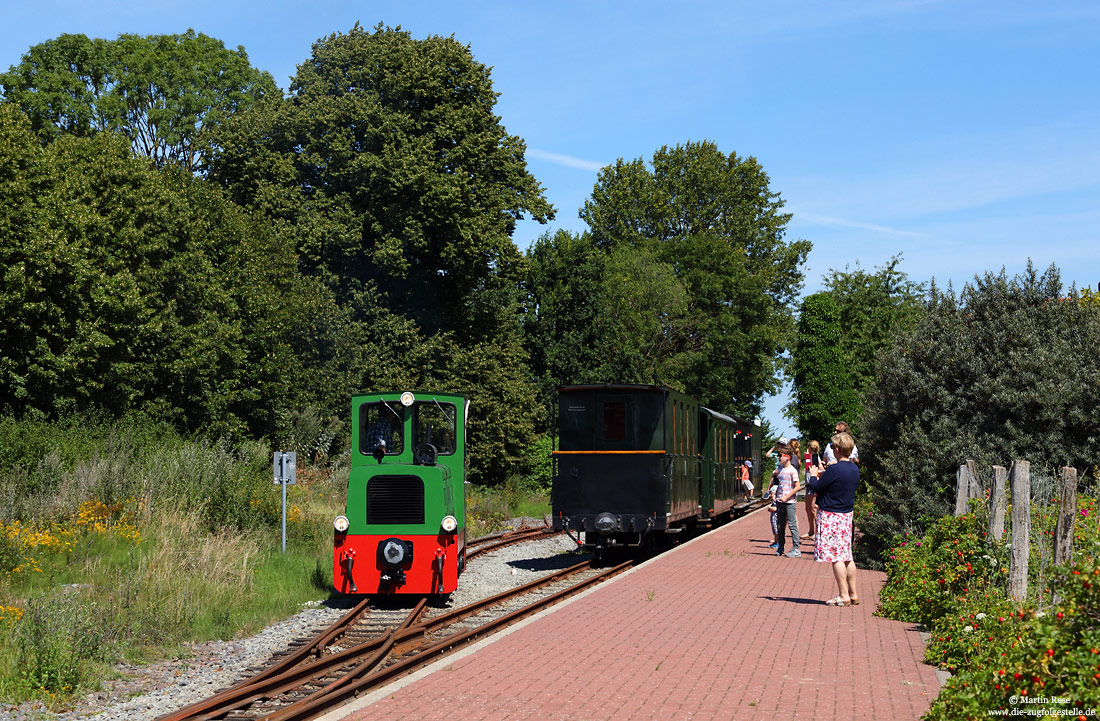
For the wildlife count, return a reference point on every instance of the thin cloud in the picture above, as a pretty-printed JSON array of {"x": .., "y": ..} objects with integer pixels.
[
  {"x": 566, "y": 160},
  {"x": 830, "y": 220}
]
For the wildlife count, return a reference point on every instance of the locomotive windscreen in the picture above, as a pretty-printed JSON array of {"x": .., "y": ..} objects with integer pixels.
[
  {"x": 435, "y": 423},
  {"x": 381, "y": 423},
  {"x": 395, "y": 499}
]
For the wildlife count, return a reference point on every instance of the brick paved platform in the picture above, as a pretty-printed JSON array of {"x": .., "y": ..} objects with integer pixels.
[{"x": 716, "y": 629}]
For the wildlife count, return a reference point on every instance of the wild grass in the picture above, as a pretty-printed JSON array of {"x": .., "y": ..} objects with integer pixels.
[
  {"x": 123, "y": 541},
  {"x": 118, "y": 540},
  {"x": 491, "y": 509}
]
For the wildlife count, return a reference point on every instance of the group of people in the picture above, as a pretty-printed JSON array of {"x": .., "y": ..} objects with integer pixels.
[{"x": 831, "y": 478}]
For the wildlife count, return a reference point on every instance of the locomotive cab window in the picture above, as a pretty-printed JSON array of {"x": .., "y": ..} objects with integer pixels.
[
  {"x": 435, "y": 423},
  {"x": 381, "y": 423}
]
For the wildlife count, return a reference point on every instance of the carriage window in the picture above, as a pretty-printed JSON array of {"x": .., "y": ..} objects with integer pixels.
[
  {"x": 614, "y": 421},
  {"x": 435, "y": 423},
  {"x": 381, "y": 423}
]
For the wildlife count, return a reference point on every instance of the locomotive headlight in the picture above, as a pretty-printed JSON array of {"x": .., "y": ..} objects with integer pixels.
[
  {"x": 450, "y": 523},
  {"x": 393, "y": 552},
  {"x": 407, "y": 399},
  {"x": 341, "y": 523}
]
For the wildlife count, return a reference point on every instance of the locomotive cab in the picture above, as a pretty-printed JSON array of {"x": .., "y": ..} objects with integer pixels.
[{"x": 404, "y": 530}]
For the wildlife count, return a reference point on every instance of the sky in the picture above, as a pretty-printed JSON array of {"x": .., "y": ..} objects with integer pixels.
[{"x": 962, "y": 135}]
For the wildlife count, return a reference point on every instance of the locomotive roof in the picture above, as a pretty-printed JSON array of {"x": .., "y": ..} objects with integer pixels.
[{"x": 417, "y": 394}]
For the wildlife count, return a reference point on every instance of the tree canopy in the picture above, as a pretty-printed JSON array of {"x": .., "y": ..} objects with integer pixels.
[
  {"x": 874, "y": 308},
  {"x": 397, "y": 182},
  {"x": 160, "y": 91},
  {"x": 841, "y": 332},
  {"x": 394, "y": 144},
  {"x": 695, "y": 190},
  {"x": 823, "y": 390},
  {"x": 684, "y": 279},
  {"x": 129, "y": 288}
]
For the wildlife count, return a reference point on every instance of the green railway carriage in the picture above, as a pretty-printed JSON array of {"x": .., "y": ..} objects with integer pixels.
[
  {"x": 404, "y": 528},
  {"x": 726, "y": 443},
  {"x": 635, "y": 462}
]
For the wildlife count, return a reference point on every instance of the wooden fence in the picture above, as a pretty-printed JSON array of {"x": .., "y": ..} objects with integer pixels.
[{"x": 1019, "y": 487}]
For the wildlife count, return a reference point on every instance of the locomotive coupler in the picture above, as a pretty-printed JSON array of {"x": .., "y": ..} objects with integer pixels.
[
  {"x": 348, "y": 560},
  {"x": 395, "y": 577}
]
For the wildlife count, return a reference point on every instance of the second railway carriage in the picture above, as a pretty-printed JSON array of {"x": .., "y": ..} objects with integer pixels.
[
  {"x": 635, "y": 462},
  {"x": 404, "y": 530}
]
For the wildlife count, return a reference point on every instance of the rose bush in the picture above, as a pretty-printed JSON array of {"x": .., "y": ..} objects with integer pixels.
[
  {"x": 933, "y": 576},
  {"x": 1057, "y": 658}
]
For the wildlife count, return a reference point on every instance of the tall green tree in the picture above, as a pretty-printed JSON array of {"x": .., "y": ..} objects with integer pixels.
[
  {"x": 823, "y": 390},
  {"x": 694, "y": 189},
  {"x": 735, "y": 328},
  {"x": 870, "y": 309},
  {"x": 874, "y": 308},
  {"x": 393, "y": 143},
  {"x": 397, "y": 181},
  {"x": 562, "y": 306},
  {"x": 643, "y": 323},
  {"x": 714, "y": 221},
  {"x": 128, "y": 288},
  {"x": 1007, "y": 370},
  {"x": 160, "y": 91}
]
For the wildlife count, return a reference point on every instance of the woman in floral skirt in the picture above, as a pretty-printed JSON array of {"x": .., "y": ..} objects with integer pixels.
[{"x": 835, "y": 488}]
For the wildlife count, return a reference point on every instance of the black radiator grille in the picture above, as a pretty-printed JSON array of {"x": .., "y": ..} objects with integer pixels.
[{"x": 395, "y": 499}]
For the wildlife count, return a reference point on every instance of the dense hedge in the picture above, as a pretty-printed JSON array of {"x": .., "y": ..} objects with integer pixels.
[{"x": 1009, "y": 369}]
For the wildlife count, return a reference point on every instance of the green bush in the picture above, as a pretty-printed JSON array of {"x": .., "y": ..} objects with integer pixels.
[
  {"x": 541, "y": 463},
  {"x": 987, "y": 625},
  {"x": 954, "y": 582},
  {"x": 935, "y": 575},
  {"x": 1007, "y": 370}
]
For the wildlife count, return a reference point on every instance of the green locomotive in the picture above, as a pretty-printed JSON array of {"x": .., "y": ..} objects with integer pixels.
[
  {"x": 636, "y": 462},
  {"x": 404, "y": 528}
]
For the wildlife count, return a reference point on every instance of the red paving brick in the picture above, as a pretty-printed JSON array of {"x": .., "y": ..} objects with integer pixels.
[{"x": 719, "y": 628}]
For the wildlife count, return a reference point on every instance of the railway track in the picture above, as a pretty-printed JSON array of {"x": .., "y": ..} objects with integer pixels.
[
  {"x": 370, "y": 646},
  {"x": 325, "y": 674},
  {"x": 486, "y": 544}
]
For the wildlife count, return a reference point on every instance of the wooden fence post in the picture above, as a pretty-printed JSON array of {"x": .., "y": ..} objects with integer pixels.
[
  {"x": 997, "y": 503},
  {"x": 975, "y": 489},
  {"x": 1019, "y": 481},
  {"x": 1063, "y": 531},
  {"x": 966, "y": 486}
]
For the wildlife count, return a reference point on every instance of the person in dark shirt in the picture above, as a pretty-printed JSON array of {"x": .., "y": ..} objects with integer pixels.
[
  {"x": 835, "y": 489},
  {"x": 380, "y": 433}
]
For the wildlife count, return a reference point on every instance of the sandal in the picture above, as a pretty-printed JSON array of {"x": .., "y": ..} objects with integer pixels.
[
  {"x": 838, "y": 601},
  {"x": 855, "y": 601}
]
